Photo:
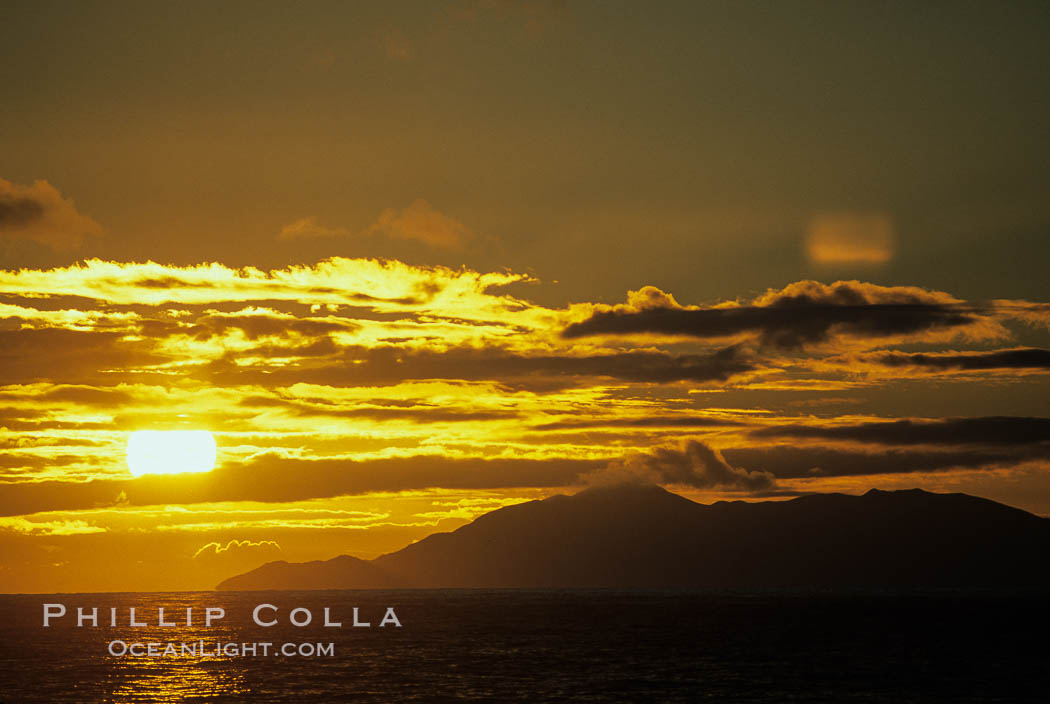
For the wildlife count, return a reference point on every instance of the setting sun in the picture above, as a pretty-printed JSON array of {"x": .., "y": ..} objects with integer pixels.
[{"x": 170, "y": 451}]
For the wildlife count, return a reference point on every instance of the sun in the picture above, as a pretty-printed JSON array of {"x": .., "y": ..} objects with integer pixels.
[{"x": 170, "y": 451}]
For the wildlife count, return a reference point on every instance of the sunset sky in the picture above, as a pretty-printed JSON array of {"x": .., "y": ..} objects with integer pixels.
[{"x": 410, "y": 262}]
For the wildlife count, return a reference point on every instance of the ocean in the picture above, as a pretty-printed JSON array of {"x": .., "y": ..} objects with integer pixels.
[{"x": 531, "y": 646}]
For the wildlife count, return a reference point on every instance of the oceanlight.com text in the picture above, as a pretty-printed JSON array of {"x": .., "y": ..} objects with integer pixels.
[{"x": 208, "y": 649}]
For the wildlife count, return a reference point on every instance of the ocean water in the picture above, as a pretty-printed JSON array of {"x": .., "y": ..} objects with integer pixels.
[{"x": 538, "y": 646}]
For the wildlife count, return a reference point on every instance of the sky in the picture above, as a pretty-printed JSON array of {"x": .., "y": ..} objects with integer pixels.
[{"x": 411, "y": 262}]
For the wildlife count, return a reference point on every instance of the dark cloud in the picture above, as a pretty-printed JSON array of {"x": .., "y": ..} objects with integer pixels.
[
  {"x": 392, "y": 364},
  {"x": 69, "y": 356},
  {"x": 40, "y": 213},
  {"x": 18, "y": 212},
  {"x": 415, "y": 413},
  {"x": 1021, "y": 358},
  {"x": 319, "y": 347},
  {"x": 14, "y": 464},
  {"x": 254, "y": 326},
  {"x": 803, "y": 313},
  {"x": 791, "y": 462},
  {"x": 261, "y": 325},
  {"x": 26, "y": 441},
  {"x": 692, "y": 463},
  {"x": 10, "y": 414},
  {"x": 274, "y": 478},
  {"x": 642, "y": 422},
  {"x": 165, "y": 282},
  {"x": 87, "y": 395},
  {"x": 994, "y": 430},
  {"x": 21, "y": 419}
]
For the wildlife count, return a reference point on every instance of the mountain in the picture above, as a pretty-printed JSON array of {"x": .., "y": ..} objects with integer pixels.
[
  {"x": 644, "y": 536},
  {"x": 339, "y": 572}
]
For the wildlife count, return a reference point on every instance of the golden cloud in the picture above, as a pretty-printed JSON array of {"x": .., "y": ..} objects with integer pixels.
[
  {"x": 419, "y": 222},
  {"x": 850, "y": 238},
  {"x": 309, "y": 227},
  {"x": 18, "y": 524},
  {"x": 423, "y": 223},
  {"x": 215, "y": 549}
]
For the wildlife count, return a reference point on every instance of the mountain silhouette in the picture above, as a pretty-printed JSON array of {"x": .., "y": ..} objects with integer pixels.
[{"x": 645, "y": 536}]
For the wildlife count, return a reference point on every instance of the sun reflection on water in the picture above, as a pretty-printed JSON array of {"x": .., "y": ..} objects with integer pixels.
[{"x": 205, "y": 676}]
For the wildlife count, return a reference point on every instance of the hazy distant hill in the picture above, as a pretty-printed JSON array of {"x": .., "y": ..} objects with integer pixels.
[{"x": 631, "y": 536}]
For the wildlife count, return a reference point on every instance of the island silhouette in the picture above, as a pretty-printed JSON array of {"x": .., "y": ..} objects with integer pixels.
[{"x": 632, "y": 536}]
